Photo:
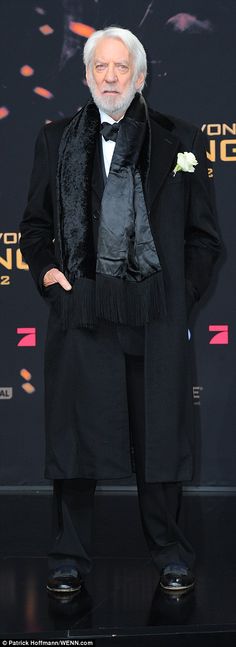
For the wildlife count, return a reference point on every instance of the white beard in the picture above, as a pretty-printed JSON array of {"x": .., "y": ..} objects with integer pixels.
[{"x": 113, "y": 104}]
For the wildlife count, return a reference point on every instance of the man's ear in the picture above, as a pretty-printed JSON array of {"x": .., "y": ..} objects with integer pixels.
[
  {"x": 87, "y": 74},
  {"x": 139, "y": 81}
]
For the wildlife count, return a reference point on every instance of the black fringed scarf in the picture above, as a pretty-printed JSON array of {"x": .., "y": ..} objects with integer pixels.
[{"x": 124, "y": 283}]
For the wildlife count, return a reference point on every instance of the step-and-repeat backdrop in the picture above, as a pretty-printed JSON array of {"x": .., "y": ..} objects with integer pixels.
[{"x": 191, "y": 75}]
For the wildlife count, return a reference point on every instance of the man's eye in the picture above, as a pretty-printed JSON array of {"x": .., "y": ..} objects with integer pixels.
[{"x": 100, "y": 67}]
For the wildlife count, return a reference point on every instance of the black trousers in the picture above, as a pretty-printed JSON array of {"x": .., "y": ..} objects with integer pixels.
[{"x": 159, "y": 503}]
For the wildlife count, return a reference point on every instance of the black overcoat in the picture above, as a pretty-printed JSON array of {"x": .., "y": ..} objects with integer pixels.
[{"x": 86, "y": 416}]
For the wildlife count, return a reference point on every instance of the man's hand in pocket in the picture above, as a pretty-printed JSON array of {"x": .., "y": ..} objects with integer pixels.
[{"x": 55, "y": 276}]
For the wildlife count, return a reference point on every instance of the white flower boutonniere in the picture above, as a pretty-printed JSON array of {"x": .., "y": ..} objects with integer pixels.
[{"x": 185, "y": 162}]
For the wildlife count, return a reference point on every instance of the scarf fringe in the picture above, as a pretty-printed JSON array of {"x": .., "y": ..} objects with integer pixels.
[
  {"x": 130, "y": 304},
  {"x": 133, "y": 304}
]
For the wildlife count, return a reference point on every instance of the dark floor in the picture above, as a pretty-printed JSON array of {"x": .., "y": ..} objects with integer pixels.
[{"x": 122, "y": 604}]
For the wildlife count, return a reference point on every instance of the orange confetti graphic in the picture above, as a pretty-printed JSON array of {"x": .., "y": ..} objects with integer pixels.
[
  {"x": 4, "y": 112},
  {"x": 28, "y": 388},
  {"x": 25, "y": 374},
  {"x": 26, "y": 70},
  {"x": 46, "y": 94},
  {"x": 46, "y": 30},
  {"x": 80, "y": 29}
]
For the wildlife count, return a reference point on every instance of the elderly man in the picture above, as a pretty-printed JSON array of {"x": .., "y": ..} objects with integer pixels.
[{"x": 120, "y": 236}]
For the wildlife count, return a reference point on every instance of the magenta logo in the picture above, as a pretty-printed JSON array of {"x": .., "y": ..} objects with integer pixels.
[
  {"x": 221, "y": 334},
  {"x": 28, "y": 338}
]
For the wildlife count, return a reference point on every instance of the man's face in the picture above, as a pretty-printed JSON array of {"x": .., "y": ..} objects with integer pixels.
[{"x": 111, "y": 77}]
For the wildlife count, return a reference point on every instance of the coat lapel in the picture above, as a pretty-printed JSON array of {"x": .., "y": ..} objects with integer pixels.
[{"x": 164, "y": 148}]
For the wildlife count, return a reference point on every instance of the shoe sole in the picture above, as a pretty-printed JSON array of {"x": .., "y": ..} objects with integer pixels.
[
  {"x": 64, "y": 591},
  {"x": 180, "y": 589}
]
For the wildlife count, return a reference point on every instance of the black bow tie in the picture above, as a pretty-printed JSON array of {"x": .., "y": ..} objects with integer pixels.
[{"x": 110, "y": 131}]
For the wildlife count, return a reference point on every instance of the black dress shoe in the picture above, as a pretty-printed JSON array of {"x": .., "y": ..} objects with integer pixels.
[
  {"x": 61, "y": 582},
  {"x": 177, "y": 578}
]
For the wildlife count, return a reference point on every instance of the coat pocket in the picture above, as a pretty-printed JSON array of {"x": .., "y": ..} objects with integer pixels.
[
  {"x": 74, "y": 308},
  {"x": 63, "y": 304},
  {"x": 52, "y": 296}
]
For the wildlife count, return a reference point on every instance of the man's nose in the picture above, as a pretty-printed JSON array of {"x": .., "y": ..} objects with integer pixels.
[{"x": 111, "y": 75}]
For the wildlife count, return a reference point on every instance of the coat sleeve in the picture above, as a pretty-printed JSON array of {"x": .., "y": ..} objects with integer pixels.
[
  {"x": 202, "y": 238},
  {"x": 36, "y": 226}
]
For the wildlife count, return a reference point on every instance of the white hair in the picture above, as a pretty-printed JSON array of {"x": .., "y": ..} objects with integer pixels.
[{"x": 131, "y": 41}]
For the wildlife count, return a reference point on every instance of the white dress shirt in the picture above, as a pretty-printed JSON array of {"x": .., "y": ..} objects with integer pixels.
[{"x": 108, "y": 146}]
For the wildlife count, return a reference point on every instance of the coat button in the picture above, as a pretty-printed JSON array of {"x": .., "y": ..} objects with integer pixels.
[{"x": 96, "y": 215}]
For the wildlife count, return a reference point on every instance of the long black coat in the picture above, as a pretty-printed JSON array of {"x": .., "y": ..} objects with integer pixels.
[{"x": 86, "y": 417}]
